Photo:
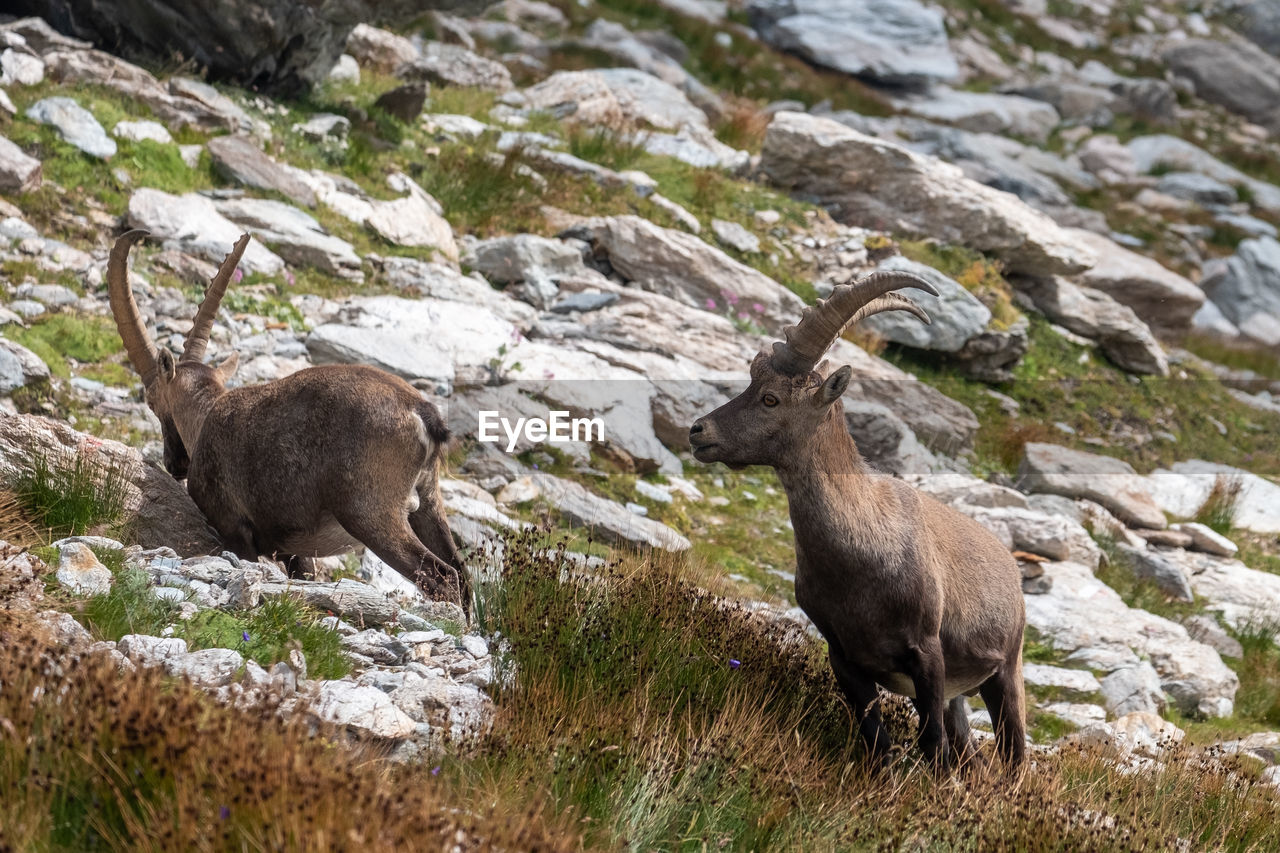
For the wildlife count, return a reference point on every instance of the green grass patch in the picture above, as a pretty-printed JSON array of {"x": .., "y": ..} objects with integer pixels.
[
  {"x": 109, "y": 373},
  {"x": 85, "y": 338},
  {"x": 267, "y": 633},
  {"x": 71, "y": 494},
  {"x": 131, "y": 607},
  {"x": 1258, "y": 551},
  {"x": 1263, "y": 362},
  {"x": 1218, "y": 511},
  {"x": 607, "y": 146},
  {"x": 1058, "y": 381}
]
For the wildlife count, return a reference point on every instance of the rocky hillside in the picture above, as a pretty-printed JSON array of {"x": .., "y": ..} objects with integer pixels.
[{"x": 605, "y": 209}]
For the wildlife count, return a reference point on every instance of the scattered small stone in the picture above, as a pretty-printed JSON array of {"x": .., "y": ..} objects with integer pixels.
[
  {"x": 80, "y": 571},
  {"x": 1204, "y": 538},
  {"x": 736, "y": 237},
  {"x": 475, "y": 646},
  {"x": 138, "y": 131},
  {"x": 345, "y": 70},
  {"x": 19, "y": 172},
  {"x": 75, "y": 125},
  {"x": 322, "y": 126}
]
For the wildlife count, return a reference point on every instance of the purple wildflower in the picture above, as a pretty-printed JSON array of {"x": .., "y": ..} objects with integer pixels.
[
  {"x": 757, "y": 307},
  {"x": 239, "y": 274},
  {"x": 435, "y": 771},
  {"x": 711, "y": 304},
  {"x": 244, "y": 635},
  {"x": 224, "y": 812},
  {"x": 734, "y": 664}
]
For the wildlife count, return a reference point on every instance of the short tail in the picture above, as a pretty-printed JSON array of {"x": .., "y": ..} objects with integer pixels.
[{"x": 433, "y": 422}]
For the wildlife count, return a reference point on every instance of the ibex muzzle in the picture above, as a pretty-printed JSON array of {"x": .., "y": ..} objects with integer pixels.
[
  {"x": 908, "y": 593},
  {"x": 306, "y": 466}
]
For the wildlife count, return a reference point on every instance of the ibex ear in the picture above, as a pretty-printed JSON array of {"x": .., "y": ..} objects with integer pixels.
[
  {"x": 228, "y": 367},
  {"x": 168, "y": 367},
  {"x": 833, "y": 386}
]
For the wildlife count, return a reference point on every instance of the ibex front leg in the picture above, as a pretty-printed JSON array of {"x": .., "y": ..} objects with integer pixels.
[
  {"x": 861, "y": 693},
  {"x": 431, "y": 526},
  {"x": 928, "y": 671}
]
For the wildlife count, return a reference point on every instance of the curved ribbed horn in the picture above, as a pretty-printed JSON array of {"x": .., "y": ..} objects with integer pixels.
[
  {"x": 142, "y": 355},
  {"x": 808, "y": 340},
  {"x": 203, "y": 324}
]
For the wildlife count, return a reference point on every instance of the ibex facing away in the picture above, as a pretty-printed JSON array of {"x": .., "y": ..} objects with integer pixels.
[
  {"x": 908, "y": 593},
  {"x": 307, "y": 466}
]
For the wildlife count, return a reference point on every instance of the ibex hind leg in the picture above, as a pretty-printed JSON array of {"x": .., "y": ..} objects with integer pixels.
[
  {"x": 1003, "y": 693},
  {"x": 393, "y": 540}
]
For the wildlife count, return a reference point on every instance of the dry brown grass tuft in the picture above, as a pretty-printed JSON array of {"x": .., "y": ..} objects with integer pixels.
[
  {"x": 17, "y": 525},
  {"x": 132, "y": 761},
  {"x": 743, "y": 124},
  {"x": 635, "y": 710}
]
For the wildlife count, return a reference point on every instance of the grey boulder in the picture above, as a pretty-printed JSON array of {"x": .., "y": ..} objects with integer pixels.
[
  {"x": 891, "y": 41},
  {"x": 1246, "y": 288},
  {"x": 956, "y": 314},
  {"x": 875, "y": 183}
]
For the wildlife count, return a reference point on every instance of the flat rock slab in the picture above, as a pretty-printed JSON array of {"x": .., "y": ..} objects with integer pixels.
[
  {"x": 616, "y": 97},
  {"x": 1084, "y": 617},
  {"x": 1057, "y": 470},
  {"x": 296, "y": 235},
  {"x": 193, "y": 225},
  {"x": 1159, "y": 296},
  {"x": 1074, "y": 680},
  {"x": 609, "y": 521},
  {"x": 689, "y": 270},
  {"x": 874, "y": 183},
  {"x": 1235, "y": 74},
  {"x": 985, "y": 112},
  {"x": 1183, "y": 489},
  {"x": 239, "y": 159}
]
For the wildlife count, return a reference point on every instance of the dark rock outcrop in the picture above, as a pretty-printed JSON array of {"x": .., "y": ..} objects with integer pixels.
[{"x": 279, "y": 46}]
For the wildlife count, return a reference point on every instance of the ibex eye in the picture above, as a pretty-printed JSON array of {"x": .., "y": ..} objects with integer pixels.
[{"x": 770, "y": 400}]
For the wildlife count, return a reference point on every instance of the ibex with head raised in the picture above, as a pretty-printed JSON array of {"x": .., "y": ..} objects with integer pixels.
[
  {"x": 306, "y": 466},
  {"x": 909, "y": 593}
]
